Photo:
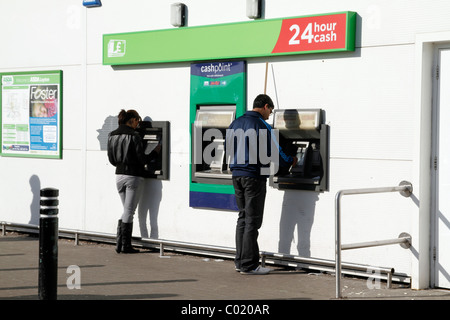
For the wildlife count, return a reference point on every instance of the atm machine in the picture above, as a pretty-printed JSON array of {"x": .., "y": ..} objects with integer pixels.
[
  {"x": 156, "y": 141},
  {"x": 209, "y": 129},
  {"x": 218, "y": 96},
  {"x": 302, "y": 133}
]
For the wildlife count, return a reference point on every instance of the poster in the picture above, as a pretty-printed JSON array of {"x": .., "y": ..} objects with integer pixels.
[{"x": 31, "y": 109}]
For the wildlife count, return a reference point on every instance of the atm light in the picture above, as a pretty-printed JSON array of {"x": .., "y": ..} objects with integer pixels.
[
  {"x": 178, "y": 14},
  {"x": 254, "y": 9}
]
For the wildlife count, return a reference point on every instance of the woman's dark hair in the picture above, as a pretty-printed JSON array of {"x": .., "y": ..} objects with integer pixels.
[{"x": 125, "y": 116}]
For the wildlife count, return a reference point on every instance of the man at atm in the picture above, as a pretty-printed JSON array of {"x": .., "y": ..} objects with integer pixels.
[{"x": 251, "y": 145}]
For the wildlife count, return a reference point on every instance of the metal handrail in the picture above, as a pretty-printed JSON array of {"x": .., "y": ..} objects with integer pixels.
[
  {"x": 405, "y": 188},
  {"x": 214, "y": 251}
]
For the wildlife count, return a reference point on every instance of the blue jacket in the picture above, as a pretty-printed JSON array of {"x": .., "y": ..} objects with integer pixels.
[{"x": 249, "y": 149}]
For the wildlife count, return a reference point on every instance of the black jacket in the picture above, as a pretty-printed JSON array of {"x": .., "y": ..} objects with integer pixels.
[{"x": 125, "y": 151}]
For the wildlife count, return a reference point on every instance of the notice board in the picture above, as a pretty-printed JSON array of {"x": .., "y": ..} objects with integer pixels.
[{"x": 31, "y": 114}]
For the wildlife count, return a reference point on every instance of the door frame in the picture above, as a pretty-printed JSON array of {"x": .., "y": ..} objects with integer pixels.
[
  {"x": 434, "y": 223},
  {"x": 422, "y": 233}
]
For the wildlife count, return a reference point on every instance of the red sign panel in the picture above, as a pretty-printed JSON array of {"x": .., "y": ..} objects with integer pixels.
[{"x": 312, "y": 34}]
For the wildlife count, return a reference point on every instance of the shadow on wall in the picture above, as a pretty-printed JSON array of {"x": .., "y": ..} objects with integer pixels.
[
  {"x": 110, "y": 124},
  {"x": 297, "y": 214},
  {"x": 149, "y": 207},
  {"x": 35, "y": 185}
]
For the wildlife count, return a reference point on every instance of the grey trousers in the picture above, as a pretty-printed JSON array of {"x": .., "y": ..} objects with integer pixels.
[{"x": 129, "y": 188}]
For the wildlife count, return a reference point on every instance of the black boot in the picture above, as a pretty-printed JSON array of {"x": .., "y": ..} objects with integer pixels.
[
  {"x": 119, "y": 237},
  {"x": 127, "y": 230}
]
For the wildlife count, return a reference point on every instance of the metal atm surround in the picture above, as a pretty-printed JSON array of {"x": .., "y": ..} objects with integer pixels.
[
  {"x": 217, "y": 118},
  {"x": 303, "y": 133},
  {"x": 156, "y": 133}
]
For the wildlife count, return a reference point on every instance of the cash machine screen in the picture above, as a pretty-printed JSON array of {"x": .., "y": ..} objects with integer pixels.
[
  {"x": 296, "y": 120},
  {"x": 219, "y": 117},
  {"x": 215, "y": 116},
  {"x": 152, "y": 142}
]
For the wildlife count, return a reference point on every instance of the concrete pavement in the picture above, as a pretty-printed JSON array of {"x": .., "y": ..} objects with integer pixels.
[{"x": 102, "y": 274}]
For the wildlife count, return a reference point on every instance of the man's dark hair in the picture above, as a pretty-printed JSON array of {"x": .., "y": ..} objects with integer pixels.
[{"x": 261, "y": 100}]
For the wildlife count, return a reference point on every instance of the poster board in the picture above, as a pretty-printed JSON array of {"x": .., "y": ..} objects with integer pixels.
[{"x": 31, "y": 114}]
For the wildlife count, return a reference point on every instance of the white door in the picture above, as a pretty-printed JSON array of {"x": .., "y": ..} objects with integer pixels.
[{"x": 441, "y": 163}]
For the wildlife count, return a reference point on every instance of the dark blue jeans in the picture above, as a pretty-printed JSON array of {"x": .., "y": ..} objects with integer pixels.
[{"x": 250, "y": 196}]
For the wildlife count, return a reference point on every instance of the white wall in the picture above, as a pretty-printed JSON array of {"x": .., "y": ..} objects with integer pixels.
[{"x": 367, "y": 96}]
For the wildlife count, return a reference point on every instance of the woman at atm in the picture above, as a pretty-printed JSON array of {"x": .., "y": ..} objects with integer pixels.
[{"x": 126, "y": 153}]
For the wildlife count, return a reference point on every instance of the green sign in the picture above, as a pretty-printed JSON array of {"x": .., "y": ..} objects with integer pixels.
[
  {"x": 330, "y": 32},
  {"x": 31, "y": 109},
  {"x": 216, "y": 85}
]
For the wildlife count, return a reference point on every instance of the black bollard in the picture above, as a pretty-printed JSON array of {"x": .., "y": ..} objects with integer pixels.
[{"x": 48, "y": 244}]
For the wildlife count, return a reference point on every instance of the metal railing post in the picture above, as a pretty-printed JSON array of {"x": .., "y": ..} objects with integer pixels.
[
  {"x": 161, "y": 249},
  {"x": 405, "y": 188},
  {"x": 338, "y": 245}
]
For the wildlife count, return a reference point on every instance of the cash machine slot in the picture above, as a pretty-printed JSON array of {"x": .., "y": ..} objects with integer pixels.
[
  {"x": 302, "y": 133},
  {"x": 209, "y": 128},
  {"x": 155, "y": 138},
  {"x": 217, "y": 167}
]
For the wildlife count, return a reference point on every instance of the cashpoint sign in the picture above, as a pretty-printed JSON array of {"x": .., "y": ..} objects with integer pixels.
[
  {"x": 218, "y": 96},
  {"x": 330, "y": 32}
]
